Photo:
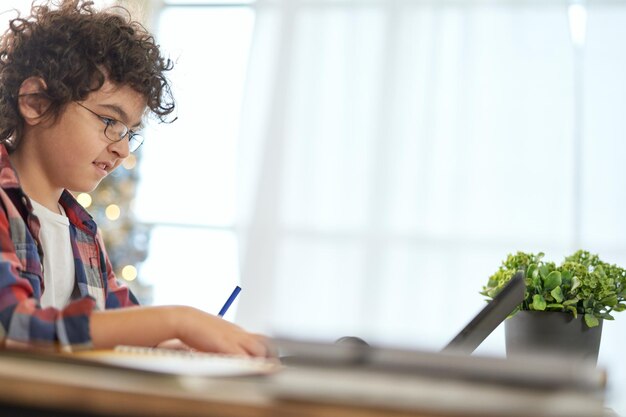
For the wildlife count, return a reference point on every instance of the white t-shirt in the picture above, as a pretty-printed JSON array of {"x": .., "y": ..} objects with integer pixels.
[{"x": 58, "y": 260}]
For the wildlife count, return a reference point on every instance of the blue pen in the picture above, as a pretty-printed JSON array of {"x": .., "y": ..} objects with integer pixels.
[{"x": 229, "y": 301}]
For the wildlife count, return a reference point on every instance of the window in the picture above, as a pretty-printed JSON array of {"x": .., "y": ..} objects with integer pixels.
[
  {"x": 390, "y": 154},
  {"x": 189, "y": 195}
]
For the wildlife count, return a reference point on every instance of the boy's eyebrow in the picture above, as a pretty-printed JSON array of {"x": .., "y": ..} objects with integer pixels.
[{"x": 121, "y": 114}]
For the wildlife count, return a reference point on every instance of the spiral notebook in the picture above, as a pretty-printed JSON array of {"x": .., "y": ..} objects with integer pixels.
[{"x": 176, "y": 362}]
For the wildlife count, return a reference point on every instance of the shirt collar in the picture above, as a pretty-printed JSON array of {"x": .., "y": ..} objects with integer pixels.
[{"x": 77, "y": 213}]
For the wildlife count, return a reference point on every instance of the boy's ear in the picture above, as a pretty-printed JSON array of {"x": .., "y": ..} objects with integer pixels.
[{"x": 33, "y": 106}]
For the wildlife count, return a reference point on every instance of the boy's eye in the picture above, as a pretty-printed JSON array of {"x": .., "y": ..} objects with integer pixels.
[{"x": 108, "y": 121}]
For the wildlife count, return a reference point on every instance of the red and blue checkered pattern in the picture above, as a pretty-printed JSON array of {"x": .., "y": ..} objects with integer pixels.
[{"x": 23, "y": 323}]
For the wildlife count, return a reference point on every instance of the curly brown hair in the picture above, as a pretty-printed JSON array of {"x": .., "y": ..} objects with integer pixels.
[{"x": 74, "y": 48}]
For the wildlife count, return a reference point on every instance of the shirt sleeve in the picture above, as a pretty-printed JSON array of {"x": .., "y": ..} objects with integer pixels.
[{"x": 23, "y": 323}]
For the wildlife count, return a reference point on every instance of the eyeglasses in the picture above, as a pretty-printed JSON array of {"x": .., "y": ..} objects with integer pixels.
[{"x": 115, "y": 130}]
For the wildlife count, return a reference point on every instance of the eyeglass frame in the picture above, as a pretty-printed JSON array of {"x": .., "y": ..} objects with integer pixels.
[{"x": 133, "y": 137}]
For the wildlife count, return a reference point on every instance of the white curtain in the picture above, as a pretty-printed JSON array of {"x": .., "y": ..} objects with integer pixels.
[{"x": 392, "y": 153}]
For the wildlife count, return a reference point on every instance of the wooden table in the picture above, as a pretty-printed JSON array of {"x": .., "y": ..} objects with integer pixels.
[
  {"x": 44, "y": 386},
  {"x": 48, "y": 386}
]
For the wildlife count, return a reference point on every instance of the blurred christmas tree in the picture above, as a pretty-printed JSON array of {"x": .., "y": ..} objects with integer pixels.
[
  {"x": 126, "y": 240},
  {"x": 111, "y": 203}
]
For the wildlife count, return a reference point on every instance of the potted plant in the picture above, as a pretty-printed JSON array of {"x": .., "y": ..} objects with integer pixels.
[{"x": 564, "y": 306}]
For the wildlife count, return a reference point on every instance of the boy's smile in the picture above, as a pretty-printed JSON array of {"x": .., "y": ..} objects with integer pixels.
[{"x": 104, "y": 167}]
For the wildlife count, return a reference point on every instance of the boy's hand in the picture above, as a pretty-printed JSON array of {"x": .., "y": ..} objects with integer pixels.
[
  {"x": 205, "y": 332},
  {"x": 194, "y": 329}
]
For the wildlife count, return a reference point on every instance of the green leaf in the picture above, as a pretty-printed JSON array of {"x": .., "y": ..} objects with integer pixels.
[
  {"x": 609, "y": 301},
  {"x": 572, "y": 310},
  {"x": 557, "y": 294},
  {"x": 552, "y": 280},
  {"x": 600, "y": 271},
  {"x": 589, "y": 303},
  {"x": 554, "y": 306},
  {"x": 591, "y": 320},
  {"x": 566, "y": 278},
  {"x": 493, "y": 292},
  {"x": 606, "y": 316},
  {"x": 575, "y": 284},
  {"x": 543, "y": 271},
  {"x": 531, "y": 271},
  {"x": 539, "y": 303},
  {"x": 571, "y": 302},
  {"x": 620, "y": 307}
]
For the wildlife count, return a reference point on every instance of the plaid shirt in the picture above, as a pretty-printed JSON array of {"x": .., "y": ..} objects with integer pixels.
[{"x": 23, "y": 323}]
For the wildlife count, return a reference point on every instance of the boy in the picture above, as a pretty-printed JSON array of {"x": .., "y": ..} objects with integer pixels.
[{"x": 75, "y": 84}]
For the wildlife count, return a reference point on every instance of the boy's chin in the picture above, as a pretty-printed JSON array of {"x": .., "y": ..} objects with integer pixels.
[{"x": 85, "y": 188}]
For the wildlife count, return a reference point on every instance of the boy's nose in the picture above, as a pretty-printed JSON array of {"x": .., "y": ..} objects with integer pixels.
[{"x": 120, "y": 148}]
